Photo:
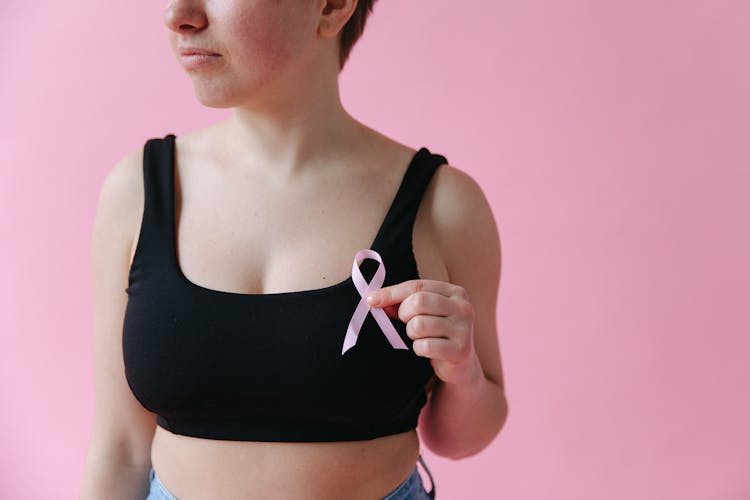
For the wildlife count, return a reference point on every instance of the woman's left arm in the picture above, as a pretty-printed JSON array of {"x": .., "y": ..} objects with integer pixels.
[{"x": 454, "y": 323}]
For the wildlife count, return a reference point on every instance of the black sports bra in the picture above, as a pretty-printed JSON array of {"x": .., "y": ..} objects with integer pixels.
[{"x": 268, "y": 367}]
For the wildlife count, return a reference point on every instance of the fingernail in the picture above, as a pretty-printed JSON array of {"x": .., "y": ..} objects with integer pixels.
[{"x": 373, "y": 299}]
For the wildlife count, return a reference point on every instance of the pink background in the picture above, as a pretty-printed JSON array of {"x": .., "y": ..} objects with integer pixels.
[{"x": 608, "y": 137}]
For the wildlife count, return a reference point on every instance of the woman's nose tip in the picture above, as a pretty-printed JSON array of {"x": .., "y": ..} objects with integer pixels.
[{"x": 181, "y": 17}]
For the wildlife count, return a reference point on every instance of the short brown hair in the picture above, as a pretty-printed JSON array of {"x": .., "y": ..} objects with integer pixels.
[{"x": 353, "y": 29}]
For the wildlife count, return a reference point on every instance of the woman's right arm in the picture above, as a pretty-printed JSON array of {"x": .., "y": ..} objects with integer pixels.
[{"x": 119, "y": 453}]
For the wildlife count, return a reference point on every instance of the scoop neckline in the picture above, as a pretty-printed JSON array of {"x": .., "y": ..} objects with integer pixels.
[{"x": 311, "y": 291}]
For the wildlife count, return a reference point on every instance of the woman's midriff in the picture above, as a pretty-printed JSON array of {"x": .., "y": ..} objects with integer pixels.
[{"x": 196, "y": 468}]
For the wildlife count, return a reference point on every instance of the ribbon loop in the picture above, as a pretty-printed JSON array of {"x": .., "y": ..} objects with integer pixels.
[{"x": 360, "y": 313}]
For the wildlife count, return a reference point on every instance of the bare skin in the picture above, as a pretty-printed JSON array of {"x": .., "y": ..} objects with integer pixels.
[{"x": 223, "y": 243}]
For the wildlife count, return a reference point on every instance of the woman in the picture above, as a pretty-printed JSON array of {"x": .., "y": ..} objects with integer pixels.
[{"x": 232, "y": 367}]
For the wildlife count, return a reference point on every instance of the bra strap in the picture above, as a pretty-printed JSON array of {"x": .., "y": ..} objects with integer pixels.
[
  {"x": 155, "y": 240},
  {"x": 394, "y": 240}
]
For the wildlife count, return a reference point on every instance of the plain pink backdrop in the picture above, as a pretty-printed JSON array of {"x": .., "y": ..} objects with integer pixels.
[{"x": 611, "y": 138}]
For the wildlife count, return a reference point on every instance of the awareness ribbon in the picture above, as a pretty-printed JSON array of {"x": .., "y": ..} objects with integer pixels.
[{"x": 360, "y": 313}]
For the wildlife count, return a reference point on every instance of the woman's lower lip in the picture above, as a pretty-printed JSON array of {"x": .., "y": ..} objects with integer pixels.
[{"x": 191, "y": 61}]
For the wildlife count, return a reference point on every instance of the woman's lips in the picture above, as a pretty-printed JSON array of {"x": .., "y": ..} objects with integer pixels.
[
  {"x": 197, "y": 60},
  {"x": 196, "y": 57}
]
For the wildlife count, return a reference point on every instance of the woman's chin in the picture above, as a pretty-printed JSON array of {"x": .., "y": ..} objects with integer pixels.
[
  {"x": 216, "y": 104},
  {"x": 214, "y": 99}
]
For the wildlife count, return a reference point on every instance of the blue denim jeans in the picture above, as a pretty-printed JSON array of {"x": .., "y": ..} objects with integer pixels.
[{"x": 410, "y": 489}]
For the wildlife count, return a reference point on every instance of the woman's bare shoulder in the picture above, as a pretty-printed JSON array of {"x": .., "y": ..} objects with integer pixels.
[
  {"x": 459, "y": 205},
  {"x": 121, "y": 198},
  {"x": 463, "y": 223},
  {"x": 123, "y": 182}
]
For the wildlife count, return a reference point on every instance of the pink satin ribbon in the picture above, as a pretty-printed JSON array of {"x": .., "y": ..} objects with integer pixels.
[{"x": 360, "y": 313}]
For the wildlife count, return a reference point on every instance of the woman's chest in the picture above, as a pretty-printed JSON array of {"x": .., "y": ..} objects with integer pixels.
[{"x": 272, "y": 246}]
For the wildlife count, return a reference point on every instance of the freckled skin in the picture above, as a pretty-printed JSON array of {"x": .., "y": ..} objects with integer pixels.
[{"x": 263, "y": 43}]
